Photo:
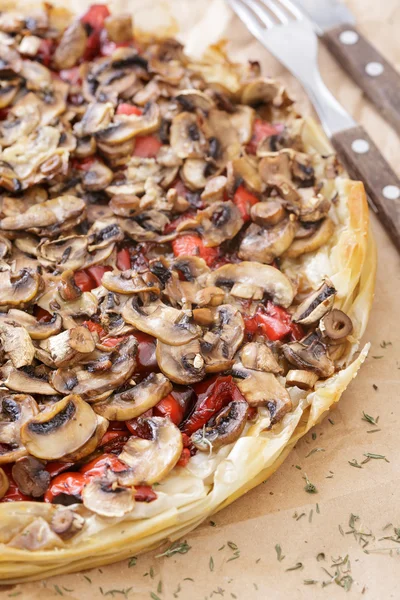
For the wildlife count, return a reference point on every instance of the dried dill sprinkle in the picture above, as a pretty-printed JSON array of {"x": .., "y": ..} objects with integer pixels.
[
  {"x": 384, "y": 344},
  {"x": 354, "y": 463},
  {"x": 331, "y": 421},
  {"x": 317, "y": 508},
  {"x": 211, "y": 563},
  {"x": 320, "y": 556},
  {"x": 314, "y": 435},
  {"x": 297, "y": 566},
  {"x": 314, "y": 450},
  {"x": 309, "y": 487},
  {"x": 132, "y": 561},
  {"x": 375, "y": 456},
  {"x": 175, "y": 548},
  {"x": 154, "y": 596},
  {"x": 310, "y": 581},
  {"x": 213, "y": 524},
  {"x": 375, "y": 386},
  {"x": 370, "y": 419}
]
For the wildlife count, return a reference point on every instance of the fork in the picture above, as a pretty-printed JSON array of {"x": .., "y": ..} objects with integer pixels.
[{"x": 288, "y": 34}]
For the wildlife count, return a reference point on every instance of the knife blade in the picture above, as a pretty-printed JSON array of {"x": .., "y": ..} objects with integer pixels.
[{"x": 378, "y": 79}]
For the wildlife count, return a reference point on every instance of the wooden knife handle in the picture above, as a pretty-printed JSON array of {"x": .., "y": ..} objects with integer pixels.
[
  {"x": 368, "y": 68},
  {"x": 364, "y": 161}
]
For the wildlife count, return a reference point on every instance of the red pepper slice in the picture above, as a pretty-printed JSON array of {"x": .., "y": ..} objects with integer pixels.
[
  {"x": 55, "y": 467},
  {"x": 84, "y": 282},
  {"x": 192, "y": 245},
  {"x": 170, "y": 227},
  {"x": 261, "y": 130},
  {"x": 41, "y": 314},
  {"x": 94, "y": 328},
  {"x": 274, "y": 322},
  {"x": 136, "y": 426},
  {"x": 113, "y": 341},
  {"x": 95, "y": 16},
  {"x": 98, "y": 466},
  {"x": 147, "y": 146},
  {"x": 144, "y": 493},
  {"x": 146, "y": 353},
  {"x": 210, "y": 401},
  {"x": 244, "y": 200},
  {"x": 184, "y": 459},
  {"x": 69, "y": 484},
  {"x": 124, "y": 259},
  {"x": 169, "y": 407},
  {"x": 128, "y": 109}
]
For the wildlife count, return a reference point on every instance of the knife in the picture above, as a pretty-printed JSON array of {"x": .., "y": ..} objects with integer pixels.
[{"x": 378, "y": 79}]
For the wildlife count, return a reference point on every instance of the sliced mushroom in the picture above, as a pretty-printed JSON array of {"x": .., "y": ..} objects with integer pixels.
[
  {"x": 31, "y": 477},
  {"x": 314, "y": 207},
  {"x": 66, "y": 523},
  {"x": 214, "y": 189},
  {"x": 275, "y": 171},
  {"x": 251, "y": 280},
  {"x": 64, "y": 253},
  {"x": 313, "y": 356},
  {"x": 264, "y": 245},
  {"x": 193, "y": 173},
  {"x": 72, "y": 46},
  {"x": 68, "y": 346},
  {"x": 336, "y": 325},
  {"x": 167, "y": 324},
  {"x": 268, "y": 213},
  {"x": 26, "y": 379},
  {"x": 192, "y": 99},
  {"x": 186, "y": 138},
  {"x": 4, "y": 484},
  {"x": 135, "y": 401},
  {"x": 107, "y": 498},
  {"x": 126, "y": 127},
  {"x": 263, "y": 389},
  {"x": 262, "y": 90},
  {"x": 226, "y": 427},
  {"x": 46, "y": 214},
  {"x": 16, "y": 343},
  {"x": 129, "y": 282},
  {"x": 245, "y": 170},
  {"x": 181, "y": 364},
  {"x": 90, "y": 446},
  {"x": 219, "y": 222},
  {"x": 18, "y": 288},
  {"x": 67, "y": 287},
  {"x": 64, "y": 428},
  {"x": 98, "y": 116},
  {"x": 15, "y": 410},
  {"x": 152, "y": 459},
  {"x": 242, "y": 120},
  {"x": 119, "y": 28},
  {"x": 220, "y": 343},
  {"x": 259, "y": 357},
  {"x": 305, "y": 380},
  {"x": 98, "y": 177},
  {"x": 315, "y": 306},
  {"x": 315, "y": 241}
]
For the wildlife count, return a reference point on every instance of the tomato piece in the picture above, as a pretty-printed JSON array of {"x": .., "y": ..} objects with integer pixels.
[
  {"x": 244, "y": 200},
  {"x": 144, "y": 493},
  {"x": 64, "y": 485},
  {"x": 128, "y": 109},
  {"x": 55, "y": 467},
  {"x": 71, "y": 76},
  {"x": 184, "y": 459},
  {"x": 84, "y": 282},
  {"x": 210, "y": 401},
  {"x": 261, "y": 130},
  {"x": 147, "y": 146},
  {"x": 98, "y": 466},
  {"x": 192, "y": 245},
  {"x": 124, "y": 259},
  {"x": 95, "y": 16},
  {"x": 94, "y": 327},
  {"x": 169, "y": 407}
]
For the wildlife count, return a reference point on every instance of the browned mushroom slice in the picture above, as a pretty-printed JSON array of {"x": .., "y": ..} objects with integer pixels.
[
  {"x": 219, "y": 345},
  {"x": 4, "y": 484},
  {"x": 167, "y": 324},
  {"x": 15, "y": 410},
  {"x": 5, "y": 246},
  {"x": 18, "y": 288},
  {"x": 262, "y": 90},
  {"x": 89, "y": 381},
  {"x": 71, "y": 47},
  {"x": 8, "y": 178},
  {"x": 258, "y": 356},
  {"x": 108, "y": 499},
  {"x": 315, "y": 306},
  {"x": 186, "y": 138},
  {"x": 275, "y": 171},
  {"x": 135, "y": 401},
  {"x": 46, "y": 214},
  {"x": 119, "y": 28},
  {"x": 315, "y": 241},
  {"x": 38, "y": 330},
  {"x": 64, "y": 428},
  {"x": 85, "y": 305},
  {"x": 181, "y": 364},
  {"x": 29, "y": 380},
  {"x": 193, "y": 173},
  {"x": 31, "y": 477},
  {"x": 305, "y": 380},
  {"x": 219, "y": 222},
  {"x": 263, "y": 389},
  {"x": 226, "y": 427},
  {"x": 11, "y": 62},
  {"x": 246, "y": 170},
  {"x": 22, "y": 119},
  {"x": 267, "y": 213},
  {"x": 191, "y": 267},
  {"x": 129, "y": 282},
  {"x": 104, "y": 232},
  {"x": 64, "y": 253},
  {"x": 251, "y": 280},
  {"x": 152, "y": 459},
  {"x": 68, "y": 346},
  {"x": 214, "y": 189},
  {"x": 29, "y": 45},
  {"x": 98, "y": 177},
  {"x": 313, "y": 206},
  {"x": 98, "y": 116},
  {"x": 126, "y": 127},
  {"x": 312, "y": 356},
  {"x": 242, "y": 120},
  {"x": 192, "y": 99},
  {"x": 266, "y": 244},
  {"x": 16, "y": 343},
  {"x": 336, "y": 325},
  {"x": 66, "y": 522},
  {"x": 91, "y": 444}
]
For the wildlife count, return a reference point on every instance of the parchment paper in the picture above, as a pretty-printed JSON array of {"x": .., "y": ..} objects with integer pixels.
[{"x": 249, "y": 530}]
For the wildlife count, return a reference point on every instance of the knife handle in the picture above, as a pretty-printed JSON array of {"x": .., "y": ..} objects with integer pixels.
[
  {"x": 368, "y": 68},
  {"x": 364, "y": 161}
]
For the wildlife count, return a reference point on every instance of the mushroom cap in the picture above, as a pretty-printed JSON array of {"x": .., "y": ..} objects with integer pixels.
[
  {"x": 226, "y": 427},
  {"x": 108, "y": 499},
  {"x": 182, "y": 364}
]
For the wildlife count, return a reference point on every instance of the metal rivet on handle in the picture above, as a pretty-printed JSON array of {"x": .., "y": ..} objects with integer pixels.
[
  {"x": 391, "y": 192},
  {"x": 374, "y": 69},
  {"x": 348, "y": 37},
  {"x": 360, "y": 146}
]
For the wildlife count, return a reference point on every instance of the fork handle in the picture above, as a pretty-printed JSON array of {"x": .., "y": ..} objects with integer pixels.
[
  {"x": 364, "y": 161},
  {"x": 368, "y": 68}
]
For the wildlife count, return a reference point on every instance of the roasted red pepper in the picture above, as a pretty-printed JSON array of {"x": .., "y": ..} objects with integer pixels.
[
  {"x": 184, "y": 459},
  {"x": 144, "y": 493},
  {"x": 147, "y": 146},
  {"x": 124, "y": 259},
  {"x": 90, "y": 278},
  {"x": 99, "y": 466},
  {"x": 128, "y": 109},
  {"x": 211, "y": 399},
  {"x": 146, "y": 353},
  {"x": 244, "y": 200},
  {"x": 274, "y": 322},
  {"x": 94, "y": 328},
  {"x": 94, "y": 18},
  {"x": 169, "y": 407},
  {"x": 55, "y": 467},
  {"x": 192, "y": 245},
  {"x": 66, "y": 484}
]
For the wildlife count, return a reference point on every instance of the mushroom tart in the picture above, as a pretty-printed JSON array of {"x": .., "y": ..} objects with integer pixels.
[{"x": 185, "y": 275}]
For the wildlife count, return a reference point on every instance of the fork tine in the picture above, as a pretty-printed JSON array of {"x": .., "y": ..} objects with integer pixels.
[
  {"x": 248, "y": 18},
  {"x": 260, "y": 12},
  {"x": 276, "y": 11},
  {"x": 292, "y": 8}
]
